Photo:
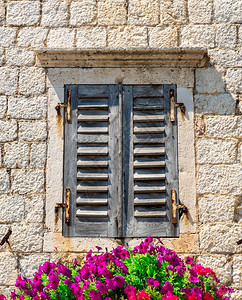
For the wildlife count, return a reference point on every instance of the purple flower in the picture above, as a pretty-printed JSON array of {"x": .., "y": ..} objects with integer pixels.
[
  {"x": 111, "y": 283},
  {"x": 130, "y": 289},
  {"x": 94, "y": 295},
  {"x": 153, "y": 282},
  {"x": 64, "y": 270},
  {"x": 68, "y": 282},
  {"x": 101, "y": 287},
  {"x": 120, "y": 281},
  {"x": 54, "y": 281},
  {"x": 189, "y": 260},
  {"x": 167, "y": 287},
  {"x": 85, "y": 285},
  {"x": 76, "y": 290},
  {"x": 99, "y": 248},
  {"x": 2, "y": 297}
]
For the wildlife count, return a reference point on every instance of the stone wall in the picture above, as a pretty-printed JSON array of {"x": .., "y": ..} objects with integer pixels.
[{"x": 214, "y": 25}]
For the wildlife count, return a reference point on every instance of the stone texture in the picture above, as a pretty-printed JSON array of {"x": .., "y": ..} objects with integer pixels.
[
  {"x": 112, "y": 12},
  {"x": 200, "y": 11},
  {"x": 224, "y": 126},
  {"x": 91, "y": 37},
  {"x": 7, "y": 36},
  {"x": 214, "y": 208},
  {"x": 173, "y": 12},
  {"x": 83, "y": 12},
  {"x": 4, "y": 181},
  {"x": 209, "y": 81},
  {"x": 3, "y": 106},
  {"x": 32, "y": 37},
  {"x": 223, "y": 179},
  {"x": 34, "y": 209},
  {"x": 27, "y": 181},
  {"x": 8, "y": 131},
  {"x": 16, "y": 155},
  {"x": 211, "y": 151},
  {"x": 8, "y": 270},
  {"x": 127, "y": 37},
  {"x": 19, "y": 57},
  {"x": 220, "y": 265},
  {"x": 29, "y": 264},
  {"x": 61, "y": 38},
  {"x": 237, "y": 295},
  {"x": 2, "y": 58},
  {"x": 237, "y": 271},
  {"x": 220, "y": 238},
  {"x": 222, "y": 104},
  {"x": 228, "y": 11},
  {"x": 32, "y": 81},
  {"x": 8, "y": 80},
  {"x": 143, "y": 12},
  {"x": 27, "y": 108},
  {"x": 23, "y": 13},
  {"x": 32, "y": 131},
  {"x": 38, "y": 155},
  {"x": 27, "y": 238},
  {"x": 162, "y": 37},
  {"x": 54, "y": 13},
  {"x": 226, "y": 58},
  {"x": 2, "y": 12},
  {"x": 12, "y": 208},
  {"x": 234, "y": 80},
  {"x": 226, "y": 36},
  {"x": 198, "y": 36}
]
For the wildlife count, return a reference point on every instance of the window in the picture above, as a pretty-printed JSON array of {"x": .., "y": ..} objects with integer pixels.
[{"x": 120, "y": 161}]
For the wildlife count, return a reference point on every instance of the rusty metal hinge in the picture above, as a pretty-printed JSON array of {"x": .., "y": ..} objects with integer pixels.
[
  {"x": 174, "y": 105},
  {"x": 65, "y": 206},
  {"x": 66, "y": 105},
  {"x": 174, "y": 206}
]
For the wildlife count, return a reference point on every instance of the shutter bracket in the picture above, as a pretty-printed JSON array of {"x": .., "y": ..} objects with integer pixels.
[
  {"x": 65, "y": 205},
  {"x": 174, "y": 105},
  {"x": 181, "y": 207},
  {"x": 67, "y": 106}
]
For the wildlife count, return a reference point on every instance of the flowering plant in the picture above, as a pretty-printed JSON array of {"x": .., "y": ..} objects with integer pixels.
[{"x": 148, "y": 271}]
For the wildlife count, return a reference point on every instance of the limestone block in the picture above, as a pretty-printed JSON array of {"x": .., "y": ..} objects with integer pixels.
[
  {"x": 214, "y": 208},
  {"x": 83, "y": 12},
  {"x": 225, "y": 58},
  {"x": 2, "y": 12},
  {"x": 200, "y": 11},
  {"x": 61, "y": 38},
  {"x": 240, "y": 152},
  {"x": 32, "y": 131},
  {"x": 220, "y": 238},
  {"x": 38, "y": 155},
  {"x": 238, "y": 213},
  {"x": 27, "y": 238},
  {"x": 12, "y": 208},
  {"x": 237, "y": 295},
  {"x": 91, "y": 37},
  {"x": 27, "y": 181},
  {"x": 6, "y": 290},
  {"x": 224, "y": 126},
  {"x": 143, "y": 12},
  {"x": 228, "y": 11},
  {"x": 4, "y": 181},
  {"x": 32, "y": 37},
  {"x": 23, "y": 13},
  {"x": 223, "y": 179},
  {"x": 29, "y": 264},
  {"x": 27, "y": 107},
  {"x": 8, "y": 80},
  {"x": 67, "y": 257},
  {"x": 237, "y": 271},
  {"x": 174, "y": 12},
  {"x": 16, "y": 155},
  {"x": 7, "y": 36},
  {"x": 1, "y": 57},
  {"x": 32, "y": 81},
  {"x": 8, "y": 131},
  {"x": 226, "y": 36},
  {"x": 220, "y": 265},
  {"x": 162, "y": 37},
  {"x": 3, "y": 106},
  {"x": 127, "y": 37},
  {"x": 54, "y": 13},
  {"x": 240, "y": 34},
  {"x": 34, "y": 209},
  {"x": 198, "y": 36},
  {"x": 234, "y": 80},
  {"x": 8, "y": 270},
  {"x": 19, "y": 57},
  {"x": 112, "y": 12},
  {"x": 223, "y": 104},
  {"x": 211, "y": 151},
  {"x": 209, "y": 81}
]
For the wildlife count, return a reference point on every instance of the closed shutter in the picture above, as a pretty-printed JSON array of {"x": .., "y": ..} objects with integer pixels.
[{"x": 120, "y": 161}]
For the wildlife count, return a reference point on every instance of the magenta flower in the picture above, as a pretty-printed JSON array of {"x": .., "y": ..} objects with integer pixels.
[
  {"x": 101, "y": 287},
  {"x": 153, "y": 282},
  {"x": 167, "y": 287},
  {"x": 120, "y": 281},
  {"x": 2, "y": 297},
  {"x": 94, "y": 295}
]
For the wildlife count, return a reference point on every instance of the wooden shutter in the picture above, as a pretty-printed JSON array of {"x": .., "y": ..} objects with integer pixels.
[
  {"x": 150, "y": 161},
  {"x": 92, "y": 161}
]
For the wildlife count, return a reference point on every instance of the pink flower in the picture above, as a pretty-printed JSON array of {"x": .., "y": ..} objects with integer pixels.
[
  {"x": 142, "y": 295},
  {"x": 153, "y": 282},
  {"x": 94, "y": 295},
  {"x": 207, "y": 296},
  {"x": 2, "y": 297}
]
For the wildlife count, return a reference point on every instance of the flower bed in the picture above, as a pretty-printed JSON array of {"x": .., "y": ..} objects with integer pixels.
[{"x": 148, "y": 271}]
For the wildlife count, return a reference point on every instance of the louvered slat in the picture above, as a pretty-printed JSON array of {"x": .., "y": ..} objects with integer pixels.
[
  {"x": 151, "y": 201},
  {"x": 157, "y": 129},
  {"x": 91, "y": 202},
  {"x": 91, "y": 214},
  {"x": 149, "y": 151},
  {"x": 150, "y": 214},
  {"x": 152, "y": 119},
  {"x": 149, "y": 177},
  {"x": 86, "y": 177},
  {"x": 92, "y": 151}
]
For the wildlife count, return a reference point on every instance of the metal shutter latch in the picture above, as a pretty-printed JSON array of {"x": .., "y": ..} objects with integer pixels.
[
  {"x": 65, "y": 205},
  {"x": 174, "y": 206},
  {"x": 174, "y": 105},
  {"x": 67, "y": 106}
]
